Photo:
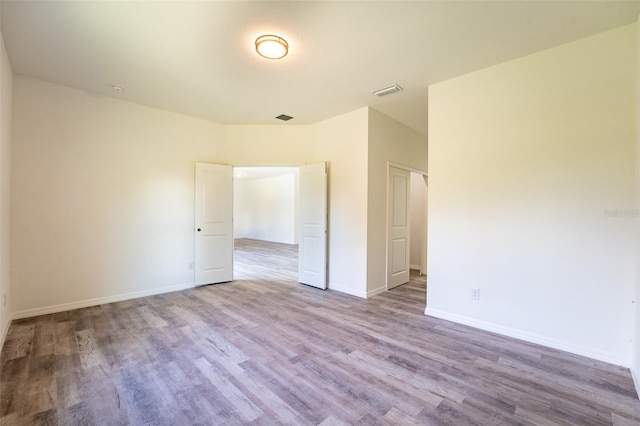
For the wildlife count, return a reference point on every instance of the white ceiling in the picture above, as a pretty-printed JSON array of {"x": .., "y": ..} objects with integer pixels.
[{"x": 198, "y": 58}]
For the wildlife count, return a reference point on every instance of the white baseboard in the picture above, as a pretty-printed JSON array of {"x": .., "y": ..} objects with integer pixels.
[
  {"x": 27, "y": 313},
  {"x": 357, "y": 293},
  {"x": 532, "y": 338},
  {"x": 347, "y": 290},
  {"x": 375, "y": 292},
  {"x": 417, "y": 267}
]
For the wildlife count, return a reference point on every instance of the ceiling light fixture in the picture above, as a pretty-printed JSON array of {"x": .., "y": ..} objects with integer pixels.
[
  {"x": 388, "y": 90},
  {"x": 272, "y": 47}
]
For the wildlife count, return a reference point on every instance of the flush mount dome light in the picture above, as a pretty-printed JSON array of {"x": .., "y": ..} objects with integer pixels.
[{"x": 272, "y": 47}]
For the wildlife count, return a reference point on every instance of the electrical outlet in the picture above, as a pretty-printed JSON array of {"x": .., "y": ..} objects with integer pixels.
[
  {"x": 4, "y": 300},
  {"x": 475, "y": 293},
  {"x": 191, "y": 266}
]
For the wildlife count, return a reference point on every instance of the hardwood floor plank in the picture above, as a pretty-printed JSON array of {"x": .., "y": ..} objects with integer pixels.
[
  {"x": 265, "y": 350},
  {"x": 268, "y": 402},
  {"x": 289, "y": 384},
  {"x": 332, "y": 421},
  {"x": 429, "y": 392},
  {"x": 618, "y": 420},
  {"x": 243, "y": 407}
]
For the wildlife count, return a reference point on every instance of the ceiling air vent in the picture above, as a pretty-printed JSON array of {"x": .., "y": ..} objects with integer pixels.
[
  {"x": 284, "y": 117},
  {"x": 388, "y": 90}
]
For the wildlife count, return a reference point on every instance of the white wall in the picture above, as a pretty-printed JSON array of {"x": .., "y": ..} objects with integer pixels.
[
  {"x": 418, "y": 219},
  {"x": 532, "y": 194},
  {"x": 262, "y": 145},
  {"x": 102, "y": 196},
  {"x": 342, "y": 142},
  {"x": 265, "y": 208},
  {"x": 389, "y": 141},
  {"x": 116, "y": 182},
  {"x": 6, "y": 84}
]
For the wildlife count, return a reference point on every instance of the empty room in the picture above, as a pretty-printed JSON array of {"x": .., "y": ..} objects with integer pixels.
[
  {"x": 319, "y": 213},
  {"x": 265, "y": 223}
]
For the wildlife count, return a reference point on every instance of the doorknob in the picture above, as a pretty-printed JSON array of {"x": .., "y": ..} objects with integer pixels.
[{"x": 199, "y": 230}]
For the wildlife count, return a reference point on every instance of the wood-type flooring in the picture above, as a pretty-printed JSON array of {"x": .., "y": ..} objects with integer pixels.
[{"x": 266, "y": 350}]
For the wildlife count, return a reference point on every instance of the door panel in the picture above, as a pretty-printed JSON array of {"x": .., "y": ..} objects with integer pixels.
[
  {"x": 398, "y": 233},
  {"x": 312, "y": 260},
  {"x": 214, "y": 224},
  {"x": 399, "y": 255}
]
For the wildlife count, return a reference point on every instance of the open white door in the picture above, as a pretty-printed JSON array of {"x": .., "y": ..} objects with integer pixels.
[
  {"x": 312, "y": 261},
  {"x": 213, "y": 224},
  {"x": 398, "y": 227}
]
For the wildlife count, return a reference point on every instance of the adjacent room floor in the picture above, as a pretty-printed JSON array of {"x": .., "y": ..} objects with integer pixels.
[
  {"x": 271, "y": 351},
  {"x": 264, "y": 260}
]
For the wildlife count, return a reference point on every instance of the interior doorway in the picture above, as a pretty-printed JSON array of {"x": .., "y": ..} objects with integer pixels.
[
  {"x": 406, "y": 225},
  {"x": 286, "y": 205},
  {"x": 213, "y": 230},
  {"x": 265, "y": 222}
]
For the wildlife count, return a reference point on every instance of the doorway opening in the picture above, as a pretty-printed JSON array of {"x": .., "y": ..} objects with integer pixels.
[
  {"x": 266, "y": 222},
  {"x": 214, "y": 223},
  {"x": 406, "y": 226},
  {"x": 419, "y": 232}
]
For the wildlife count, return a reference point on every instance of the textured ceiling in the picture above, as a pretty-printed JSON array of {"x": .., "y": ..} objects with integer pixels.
[{"x": 198, "y": 58}]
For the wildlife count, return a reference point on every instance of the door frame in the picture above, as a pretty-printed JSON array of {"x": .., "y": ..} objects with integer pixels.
[
  {"x": 423, "y": 259},
  {"x": 327, "y": 166}
]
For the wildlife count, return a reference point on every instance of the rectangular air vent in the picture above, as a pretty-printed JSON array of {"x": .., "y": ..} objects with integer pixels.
[
  {"x": 284, "y": 117},
  {"x": 388, "y": 90}
]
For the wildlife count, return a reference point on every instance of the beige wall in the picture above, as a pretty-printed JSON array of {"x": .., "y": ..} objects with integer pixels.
[
  {"x": 532, "y": 197},
  {"x": 6, "y": 85},
  {"x": 277, "y": 145},
  {"x": 102, "y": 196},
  {"x": 342, "y": 142},
  {"x": 116, "y": 182},
  {"x": 389, "y": 141}
]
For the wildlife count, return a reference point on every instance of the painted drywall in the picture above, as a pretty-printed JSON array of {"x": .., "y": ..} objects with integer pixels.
[
  {"x": 6, "y": 85},
  {"x": 389, "y": 141},
  {"x": 116, "y": 182},
  {"x": 265, "y": 208},
  {"x": 418, "y": 220},
  {"x": 532, "y": 197},
  {"x": 261, "y": 145},
  {"x": 102, "y": 196},
  {"x": 342, "y": 142}
]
